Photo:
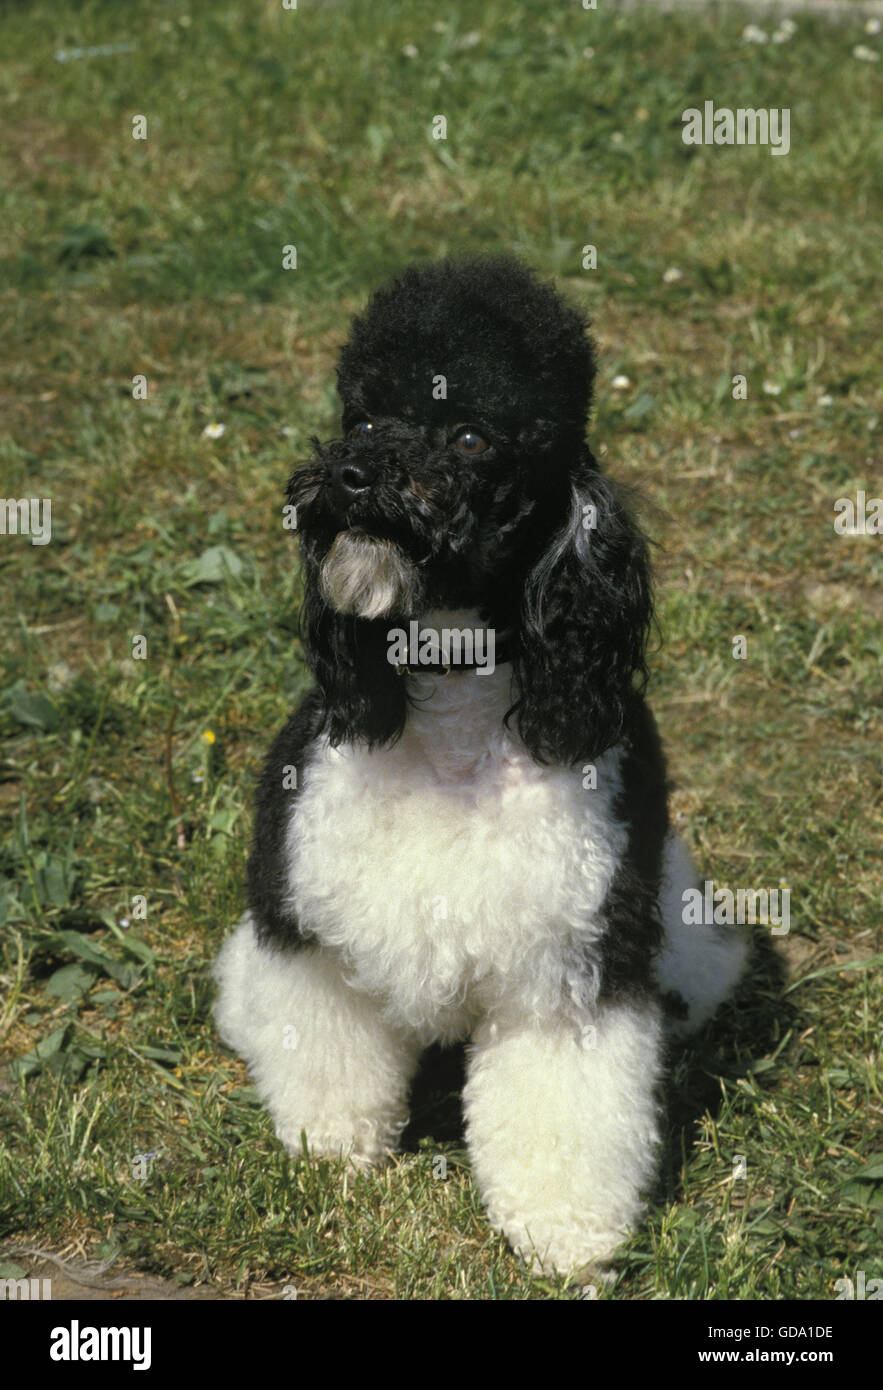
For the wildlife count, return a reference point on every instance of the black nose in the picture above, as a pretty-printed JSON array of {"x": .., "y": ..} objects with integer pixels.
[{"x": 351, "y": 479}]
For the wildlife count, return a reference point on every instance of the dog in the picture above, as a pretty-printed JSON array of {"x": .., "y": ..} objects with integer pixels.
[{"x": 462, "y": 833}]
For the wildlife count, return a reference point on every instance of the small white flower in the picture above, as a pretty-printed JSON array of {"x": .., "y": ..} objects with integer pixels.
[
  {"x": 621, "y": 383},
  {"x": 772, "y": 389},
  {"x": 470, "y": 40},
  {"x": 795, "y": 434},
  {"x": 825, "y": 401},
  {"x": 865, "y": 54},
  {"x": 59, "y": 677},
  {"x": 873, "y": 26},
  {"x": 409, "y": 51},
  {"x": 672, "y": 275},
  {"x": 617, "y": 137},
  {"x": 785, "y": 31},
  {"x": 588, "y": 52},
  {"x": 753, "y": 34},
  {"x": 213, "y": 431},
  {"x": 124, "y": 922},
  {"x": 290, "y": 431},
  {"x": 439, "y": 27}
]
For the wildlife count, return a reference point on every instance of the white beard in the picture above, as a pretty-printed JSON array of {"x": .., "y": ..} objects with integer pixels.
[{"x": 368, "y": 578}]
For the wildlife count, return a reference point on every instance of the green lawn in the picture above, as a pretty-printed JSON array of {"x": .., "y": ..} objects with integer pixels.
[{"x": 126, "y": 783}]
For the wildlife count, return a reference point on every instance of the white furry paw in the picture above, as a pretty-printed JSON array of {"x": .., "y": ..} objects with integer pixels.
[
  {"x": 358, "y": 1144},
  {"x": 584, "y": 1254}
]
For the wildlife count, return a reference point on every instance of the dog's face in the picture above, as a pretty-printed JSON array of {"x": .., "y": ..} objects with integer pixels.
[
  {"x": 460, "y": 413},
  {"x": 461, "y": 480}
]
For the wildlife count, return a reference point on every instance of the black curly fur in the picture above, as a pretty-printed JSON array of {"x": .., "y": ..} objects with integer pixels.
[
  {"x": 530, "y": 532},
  {"x": 634, "y": 930},
  {"x": 267, "y": 863},
  {"x": 506, "y": 532}
]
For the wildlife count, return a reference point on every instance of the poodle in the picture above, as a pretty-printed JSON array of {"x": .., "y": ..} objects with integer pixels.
[{"x": 462, "y": 832}]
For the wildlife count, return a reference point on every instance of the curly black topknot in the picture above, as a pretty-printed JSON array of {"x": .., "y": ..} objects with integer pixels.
[{"x": 507, "y": 344}]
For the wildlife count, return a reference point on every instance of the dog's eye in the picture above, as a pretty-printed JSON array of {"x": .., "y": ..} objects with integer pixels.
[
  {"x": 470, "y": 442},
  {"x": 361, "y": 428}
]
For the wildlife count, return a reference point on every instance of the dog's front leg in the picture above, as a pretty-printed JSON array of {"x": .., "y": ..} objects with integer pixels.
[
  {"x": 323, "y": 1058},
  {"x": 562, "y": 1127}
]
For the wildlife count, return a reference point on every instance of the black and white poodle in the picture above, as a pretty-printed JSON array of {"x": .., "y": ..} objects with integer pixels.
[{"x": 462, "y": 832}]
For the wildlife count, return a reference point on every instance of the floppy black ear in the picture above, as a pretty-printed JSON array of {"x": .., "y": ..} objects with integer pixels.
[{"x": 585, "y": 618}]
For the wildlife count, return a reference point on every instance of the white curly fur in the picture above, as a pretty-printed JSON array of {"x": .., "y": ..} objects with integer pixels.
[
  {"x": 453, "y": 887},
  {"x": 452, "y": 872},
  {"x": 563, "y": 1133},
  {"x": 700, "y": 963}
]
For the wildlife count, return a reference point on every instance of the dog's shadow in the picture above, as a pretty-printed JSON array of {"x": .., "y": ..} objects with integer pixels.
[
  {"x": 436, "y": 1110},
  {"x": 746, "y": 1027}
]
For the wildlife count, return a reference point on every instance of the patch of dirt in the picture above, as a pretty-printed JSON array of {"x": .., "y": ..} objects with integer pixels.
[
  {"x": 86, "y": 1281},
  {"x": 843, "y": 598},
  {"x": 75, "y": 1279}
]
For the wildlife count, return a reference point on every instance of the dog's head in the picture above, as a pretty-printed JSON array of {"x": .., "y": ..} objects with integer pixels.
[{"x": 461, "y": 480}]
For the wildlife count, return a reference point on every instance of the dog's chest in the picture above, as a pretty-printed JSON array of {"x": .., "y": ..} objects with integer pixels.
[{"x": 451, "y": 871}]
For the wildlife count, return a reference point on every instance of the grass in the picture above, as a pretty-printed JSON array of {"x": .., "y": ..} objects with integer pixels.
[{"x": 126, "y": 782}]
